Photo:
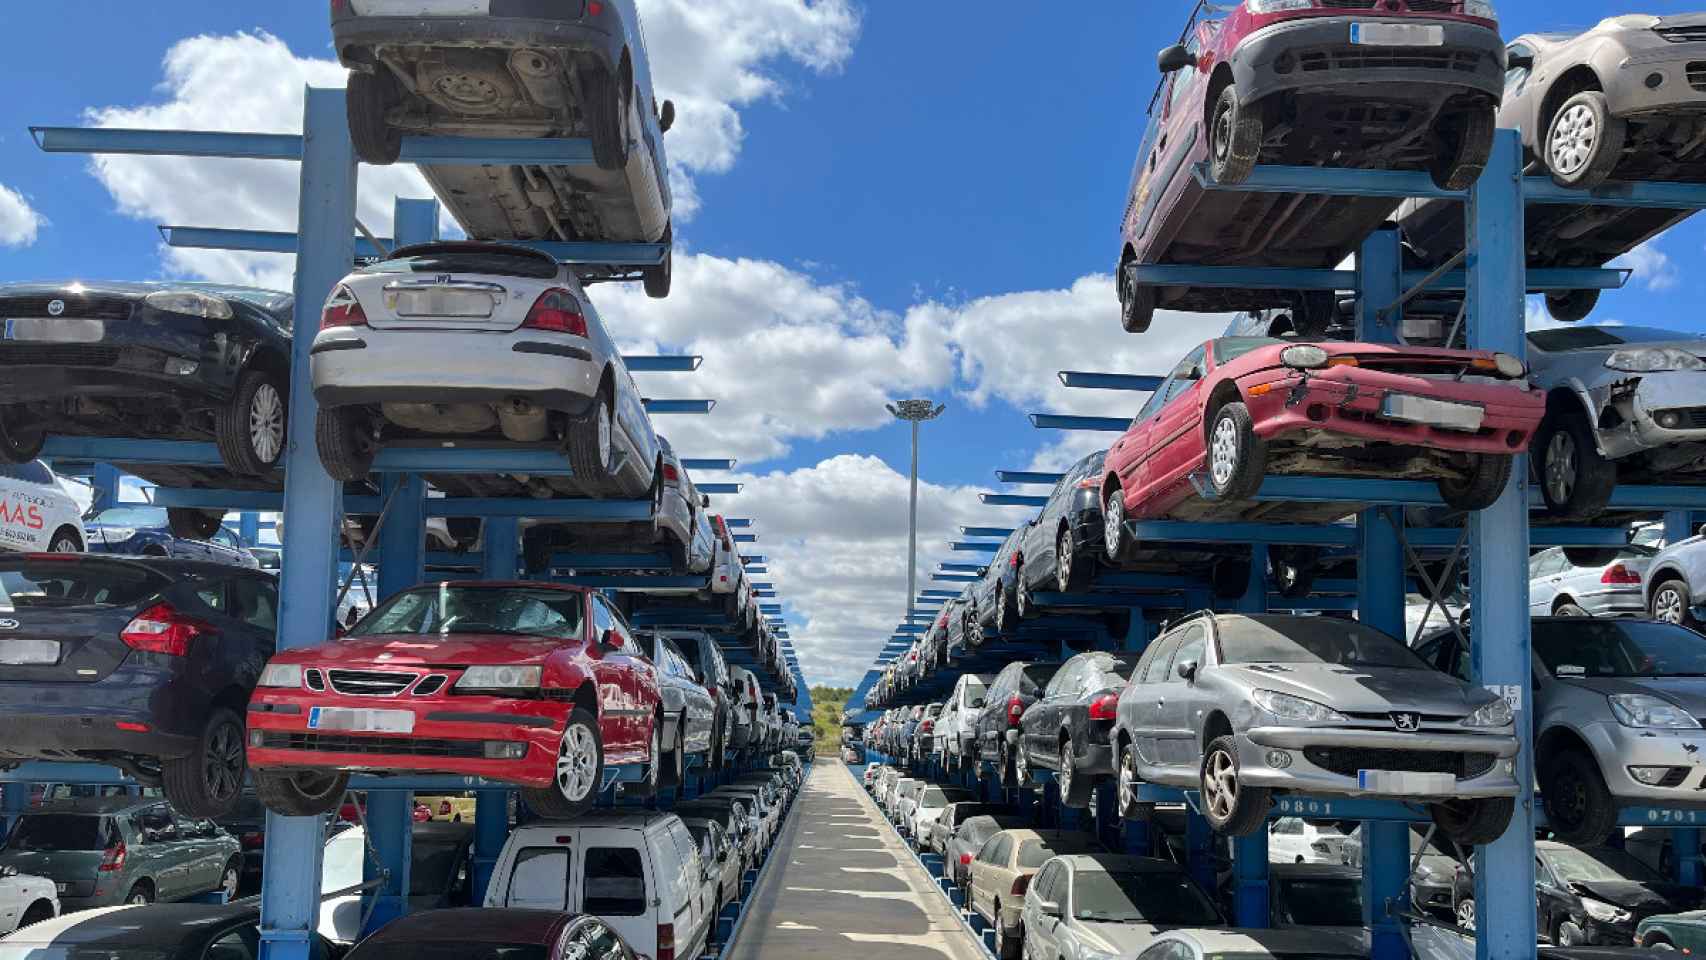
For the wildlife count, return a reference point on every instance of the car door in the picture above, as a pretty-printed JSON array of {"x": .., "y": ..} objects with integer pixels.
[
  {"x": 626, "y": 723},
  {"x": 1125, "y": 457},
  {"x": 21, "y": 516},
  {"x": 1050, "y": 885},
  {"x": 986, "y": 869},
  {"x": 1041, "y": 720},
  {"x": 1175, "y": 446},
  {"x": 169, "y": 859},
  {"x": 623, "y": 884},
  {"x": 1179, "y": 706},
  {"x": 1175, "y": 135},
  {"x": 1147, "y": 724},
  {"x": 1545, "y": 573}
]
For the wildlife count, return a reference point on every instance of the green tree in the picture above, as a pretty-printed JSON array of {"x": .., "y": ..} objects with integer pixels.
[{"x": 827, "y": 706}]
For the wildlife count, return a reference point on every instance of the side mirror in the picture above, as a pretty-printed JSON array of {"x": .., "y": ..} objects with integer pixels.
[
  {"x": 1175, "y": 57},
  {"x": 1188, "y": 670},
  {"x": 705, "y": 500},
  {"x": 1520, "y": 61},
  {"x": 983, "y": 571},
  {"x": 666, "y": 116},
  {"x": 612, "y": 639},
  {"x": 1049, "y": 908}
]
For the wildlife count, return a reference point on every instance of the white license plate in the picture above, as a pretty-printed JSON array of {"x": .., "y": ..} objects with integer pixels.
[
  {"x": 1398, "y": 34},
  {"x": 1406, "y": 782},
  {"x": 1435, "y": 413},
  {"x": 439, "y": 303},
  {"x": 21, "y": 652},
  {"x": 55, "y": 329},
  {"x": 421, "y": 8},
  {"x": 361, "y": 721},
  {"x": 62, "y": 887}
]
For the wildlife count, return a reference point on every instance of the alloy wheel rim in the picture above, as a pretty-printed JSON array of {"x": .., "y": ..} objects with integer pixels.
[
  {"x": 577, "y": 762},
  {"x": 1224, "y": 453},
  {"x": 1066, "y": 771},
  {"x": 228, "y": 882},
  {"x": 1561, "y": 467},
  {"x": 1220, "y": 785},
  {"x": 604, "y": 436},
  {"x": 1574, "y": 135},
  {"x": 1113, "y": 522},
  {"x": 266, "y": 423},
  {"x": 138, "y": 899},
  {"x": 1063, "y": 559},
  {"x": 64, "y": 546},
  {"x": 1667, "y": 606},
  {"x": 1128, "y": 781},
  {"x": 224, "y": 762},
  {"x": 1466, "y": 914}
]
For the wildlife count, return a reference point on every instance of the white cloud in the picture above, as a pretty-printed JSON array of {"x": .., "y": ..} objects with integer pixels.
[
  {"x": 1652, "y": 266},
  {"x": 19, "y": 222}
]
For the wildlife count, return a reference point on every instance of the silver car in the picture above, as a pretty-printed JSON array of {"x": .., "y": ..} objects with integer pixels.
[
  {"x": 1624, "y": 404},
  {"x": 1676, "y": 582},
  {"x": 1584, "y": 582},
  {"x": 478, "y": 342},
  {"x": 1616, "y": 706},
  {"x": 1092, "y": 906},
  {"x": 1242, "y": 706}
]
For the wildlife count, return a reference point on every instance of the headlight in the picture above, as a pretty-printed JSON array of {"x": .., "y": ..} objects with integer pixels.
[
  {"x": 500, "y": 678},
  {"x": 1509, "y": 366},
  {"x": 281, "y": 675},
  {"x": 1287, "y": 707},
  {"x": 117, "y": 534},
  {"x": 1304, "y": 357},
  {"x": 1641, "y": 710},
  {"x": 1088, "y": 954},
  {"x": 1600, "y": 910},
  {"x": 1480, "y": 8},
  {"x": 192, "y": 302},
  {"x": 1277, "y": 6},
  {"x": 1493, "y": 713},
  {"x": 1653, "y": 360}
]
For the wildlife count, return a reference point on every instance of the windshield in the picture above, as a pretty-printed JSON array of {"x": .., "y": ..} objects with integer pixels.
[
  {"x": 1579, "y": 337},
  {"x": 1228, "y": 349},
  {"x": 1310, "y": 640},
  {"x": 409, "y": 949},
  {"x": 444, "y": 610},
  {"x": 1322, "y": 901},
  {"x": 1035, "y": 853},
  {"x": 506, "y": 263},
  {"x": 1164, "y": 899},
  {"x": 132, "y": 517},
  {"x": 1571, "y": 865},
  {"x": 1587, "y": 647},
  {"x": 74, "y": 581},
  {"x": 59, "y": 831}
]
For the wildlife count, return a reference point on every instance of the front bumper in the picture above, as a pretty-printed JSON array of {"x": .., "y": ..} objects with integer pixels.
[
  {"x": 1617, "y": 748},
  {"x": 1315, "y": 55},
  {"x": 1328, "y": 760},
  {"x": 1627, "y": 89},
  {"x": 512, "y": 24},
  {"x": 1641, "y": 398},
  {"x": 367, "y": 365}
]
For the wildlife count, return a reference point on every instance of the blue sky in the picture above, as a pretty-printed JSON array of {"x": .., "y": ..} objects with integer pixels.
[{"x": 889, "y": 200}]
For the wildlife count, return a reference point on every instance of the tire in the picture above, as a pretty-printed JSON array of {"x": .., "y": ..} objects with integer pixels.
[
  {"x": 1574, "y": 478},
  {"x": 1004, "y": 615},
  {"x": 1570, "y": 935},
  {"x": 605, "y": 106},
  {"x": 230, "y": 877},
  {"x": 1005, "y": 774},
  {"x": 37, "y": 912},
  {"x": 719, "y": 745},
  {"x": 1489, "y": 473},
  {"x": 1464, "y": 913},
  {"x": 654, "y": 767},
  {"x": 18, "y": 443},
  {"x": 657, "y": 277},
  {"x": 1071, "y": 575},
  {"x": 675, "y": 774},
  {"x": 1114, "y": 540},
  {"x": 580, "y": 771},
  {"x": 1462, "y": 143},
  {"x": 1131, "y": 808},
  {"x": 1137, "y": 301},
  {"x": 367, "y": 100},
  {"x": 305, "y": 793},
  {"x": 208, "y": 782},
  {"x": 1293, "y": 570},
  {"x": 589, "y": 444},
  {"x": 189, "y": 523},
  {"x": 1235, "y": 138},
  {"x": 1579, "y": 806},
  {"x": 251, "y": 429},
  {"x": 1658, "y": 941},
  {"x": 65, "y": 540},
  {"x": 1569, "y": 306},
  {"x": 346, "y": 448},
  {"x": 1074, "y": 789},
  {"x": 1237, "y": 458},
  {"x": 1471, "y": 823},
  {"x": 1583, "y": 141},
  {"x": 1569, "y": 609},
  {"x": 1230, "y": 577},
  {"x": 1231, "y": 809},
  {"x": 1022, "y": 601},
  {"x": 1673, "y": 602},
  {"x": 141, "y": 893},
  {"x": 1006, "y": 947}
]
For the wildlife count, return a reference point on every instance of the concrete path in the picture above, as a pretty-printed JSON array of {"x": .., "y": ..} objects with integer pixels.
[{"x": 846, "y": 887}]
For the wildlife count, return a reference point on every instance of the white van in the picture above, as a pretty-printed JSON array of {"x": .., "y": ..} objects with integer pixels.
[
  {"x": 639, "y": 872},
  {"x": 35, "y": 514}
]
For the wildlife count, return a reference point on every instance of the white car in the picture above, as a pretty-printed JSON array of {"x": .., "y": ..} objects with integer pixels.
[
  {"x": 728, "y": 576},
  {"x": 25, "y": 899},
  {"x": 35, "y": 514},
  {"x": 1295, "y": 840},
  {"x": 481, "y": 343},
  {"x": 967, "y": 702}
]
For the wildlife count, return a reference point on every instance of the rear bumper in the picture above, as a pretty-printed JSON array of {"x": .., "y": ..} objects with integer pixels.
[
  {"x": 57, "y": 721},
  {"x": 1315, "y": 55},
  {"x": 365, "y": 365},
  {"x": 1349, "y": 404},
  {"x": 532, "y": 25}
]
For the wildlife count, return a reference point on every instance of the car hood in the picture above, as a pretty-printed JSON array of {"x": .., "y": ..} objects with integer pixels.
[
  {"x": 1689, "y": 693},
  {"x": 1639, "y": 897},
  {"x": 400, "y": 651},
  {"x": 1123, "y": 939},
  {"x": 1364, "y": 690}
]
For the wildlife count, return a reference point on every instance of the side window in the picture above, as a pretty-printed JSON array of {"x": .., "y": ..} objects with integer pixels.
[
  {"x": 539, "y": 879},
  {"x": 1190, "y": 648},
  {"x": 1155, "y": 669},
  {"x": 1152, "y": 406},
  {"x": 1064, "y": 680},
  {"x": 157, "y": 825},
  {"x": 614, "y": 882},
  {"x": 239, "y": 944},
  {"x": 36, "y": 472},
  {"x": 601, "y": 616},
  {"x": 1520, "y": 56},
  {"x": 255, "y": 602},
  {"x": 687, "y": 854},
  {"x": 1187, "y": 373}
]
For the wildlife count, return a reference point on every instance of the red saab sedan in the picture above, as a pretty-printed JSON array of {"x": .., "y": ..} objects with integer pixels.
[
  {"x": 537, "y": 685},
  {"x": 1239, "y": 408}
]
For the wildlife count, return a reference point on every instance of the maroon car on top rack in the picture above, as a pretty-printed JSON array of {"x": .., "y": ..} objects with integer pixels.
[
  {"x": 537, "y": 685},
  {"x": 1374, "y": 84}
]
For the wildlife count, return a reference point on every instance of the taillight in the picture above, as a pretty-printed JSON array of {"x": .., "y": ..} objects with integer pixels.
[
  {"x": 1618, "y": 573},
  {"x": 1105, "y": 706},
  {"x": 666, "y": 941},
  {"x": 928, "y": 725},
  {"x": 252, "y": 840},
  {"x": 342, "y": 310},
  {"x": 443, "y": 808},
  {"x": 160, "y": 629},
  {"x": 670, "y": 473},
  {"x": 112, "y": 858},
  {"x": 965, "y": 859},
  {"x": 1020, "y": 885},
  {"x": 1013, "y": 560},
  {"x": 558, "y": 311},
  {"x": 1015, "y": 709},
  {"x": 1088, "y": 483}
]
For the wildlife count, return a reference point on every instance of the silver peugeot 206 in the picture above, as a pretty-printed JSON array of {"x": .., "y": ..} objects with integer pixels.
[{"x": 1243, "y": 707}]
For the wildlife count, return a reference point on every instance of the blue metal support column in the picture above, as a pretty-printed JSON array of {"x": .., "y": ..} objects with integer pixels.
[
  {"x": 104, "y": 485},
  {"x": 1501, "y": 647},
  {"x": 1380, "y": 601},
  {"x": 290, "y": 880},
  {"x": 14, "y": 800},
  {"x": 1250, "y": 853},
  {"x": 249, "y": 527}
]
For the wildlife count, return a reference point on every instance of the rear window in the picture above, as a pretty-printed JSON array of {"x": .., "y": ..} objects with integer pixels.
[
  {"x": 75, "y": 582},
  {"x": 434, "y": 613},
  {"x": 933, "y": 797},
  {"x": 60, "y": 831},
  {"x": 502, "y": 262},
  {"x": 1035, "y": 853},
  {"x": 540, "y": 879},
  {"x": 1035, "y": 677},
  {"x": 1310, "y": 640},
  {"x": 614, "y": 881},
  {"x": 1323, "y": 901},
  {"x": 1578, "y": 337}
]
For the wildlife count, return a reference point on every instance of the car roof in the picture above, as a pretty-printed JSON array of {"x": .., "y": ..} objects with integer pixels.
[
  {"x": 96, "y": 805},
  {"x": 156, "y": 925},
  {"x": 602, "y": 819},
  {"x": 474, "y": 925},
  {"x": 1118, "y": 863}
]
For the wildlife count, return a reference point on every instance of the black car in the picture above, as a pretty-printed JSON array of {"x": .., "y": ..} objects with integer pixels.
[
  {"x": 1597, "y": 895},
  {"x": 1067, "y": 729},
  {"x": 163, "y": 931},
  {"x": 1060, "y": 548},
  {"x": 1016, "y": 687},
  {"x": 180, "y": 361},
  {"x": 1311, "y": 895},
  {"x": 689, "y": 710},
  {"x": 490, "y": 933},
  {"x": 145, "y": 664}
]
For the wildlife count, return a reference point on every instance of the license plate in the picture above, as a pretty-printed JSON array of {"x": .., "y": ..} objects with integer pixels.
[
  {"x": 361, "y": 721},
  {"x": 62, "y": 887},
  {"x": 55, "y": 329},
  {"x": 440, "y": 303},
  {"x": 20, "y": 652},
  {"x": 1435, "y": 413},
  {"x": 1398, "y": 34},
  {"x": 421, "y": 8},
  {"x": 1406, "y": 782}
]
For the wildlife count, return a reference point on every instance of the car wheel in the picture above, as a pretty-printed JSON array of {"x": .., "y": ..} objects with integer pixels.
[
  {"x": 1471, "y": 823},
  {"x": 1576, "y": 480},
  {"x": 303, "y": 793},
  {"x": 579, "y": 771},
  {"x": 1237, "y": 458},
  {"x": 38, "y": 911},
  {"x": 1482, "y": 484},
  {"x": 1025, "y": 604},
  {"x": 657, "y": 276},
  {"x": 1570, "y": 935},
  {"x": 251, "y": 428},
  {"x": 1464, "y": 913},
  {"x": 1235, "y": 138},
  {"x": 207, "y": 783},
  {"x": 141, "y": 894},
  {"x": 1114, "y": 544},
  {"x": 605, "y": 104},
  {"x": 1231, "y": 808},
  {"x": 1137, "y": 301},
  {"x": 1072, "y": 575},
  {"x": 1131, "y": 808},
  {"x": 1003, "y": 618},
  {"x": 1673, "y": 603},
  {"x": 65, "y": 540},
  {"x": 1584, "y": 141},
  {"x": 367, "y": 101},
  {"x": 1463, "y": 138},
  {"x": 1568, "y": 609},
  {"x": 188, "y": 523},
  {"x": 677, "y": 769},
  {"x": 1292, "y": 570},
  {"x": 1074, "y": 789},
  {"x": 589, "y": 444},
  {"x": 344, "y": 443},
  {"x": 1230, "y": 576},
  {"x": 1004, "y": 774},
  {"x": 1021, "y": 765},
  {"x": 228, "y": 878},
  {"x": 19, "y": 442},
  {"x": 1569, "y": 306},
  {"x": 1004, "y": 946},
  {"x": 1658, "y": 941}
]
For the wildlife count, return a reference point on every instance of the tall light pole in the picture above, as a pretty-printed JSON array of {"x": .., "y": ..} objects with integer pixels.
[{"x": 914, "y": 412}]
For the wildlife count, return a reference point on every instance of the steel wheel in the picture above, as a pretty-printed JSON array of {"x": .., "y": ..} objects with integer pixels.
[
  {"x": 1223, "y": 452},
  {"x": 1465, "y": 913},
  {"x": 1669, "y": 605},
  {"x": 1220, "y": 786},
  {"x": 266, "y": 423},
  {"x": 1561, "y": 467},
  {"x": 1575, "y": 134},
  {"x": 138, "y": 897},
  {"x": 577, "y": 763}
]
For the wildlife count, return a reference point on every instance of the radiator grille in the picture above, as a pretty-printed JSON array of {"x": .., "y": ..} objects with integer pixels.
[
  {"x": 370, "y": 683},
  {"x": 1690, "y": 34},
  {"x": 1415, "y": 6},
  {"x": 1346, "y": 761},
  {"x": 1696, "y": 70},
  {"x": 1397, "y": 58},
  {"x": 57, "y": 354},
  {"x": 94, "y": 307}
]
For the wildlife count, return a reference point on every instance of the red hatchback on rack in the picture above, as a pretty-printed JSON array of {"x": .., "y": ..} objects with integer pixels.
[
  {"x": 533, "y": 684},
  {"x": 1239, "y": 408}
]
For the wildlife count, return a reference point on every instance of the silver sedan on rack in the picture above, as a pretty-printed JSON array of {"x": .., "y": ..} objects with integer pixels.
[{"x": 1242, "y": 707}]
